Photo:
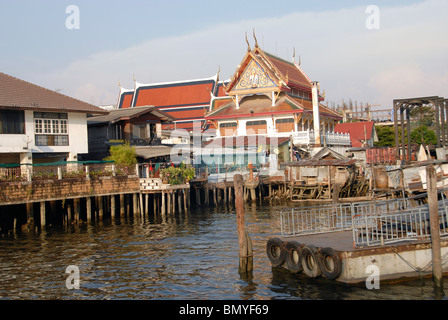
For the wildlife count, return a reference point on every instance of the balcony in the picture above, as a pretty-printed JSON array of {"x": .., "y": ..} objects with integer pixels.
[{"x": 329, "y": 138}]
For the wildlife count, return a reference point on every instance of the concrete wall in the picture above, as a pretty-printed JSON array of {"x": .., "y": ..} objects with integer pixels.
[{"x": 36, "y": 191}]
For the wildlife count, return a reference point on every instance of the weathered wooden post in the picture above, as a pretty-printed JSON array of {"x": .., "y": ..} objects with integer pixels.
[
  {"x": 42, "y": 214},
  {"x": 89, "y": 209},
  {"x": 112, "y": 206},
  {"x": 431, "y": 184},
  {"x": 245, "y": 243}
]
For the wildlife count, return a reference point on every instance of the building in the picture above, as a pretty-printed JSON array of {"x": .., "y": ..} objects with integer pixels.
[
  {"x": 186, "y": 101},
  {"x": 138, "y": 126},
  {"x": 270, "y": 96},
  {"x": 38, "y": 125},
  {"x": 362, "y": 133}
]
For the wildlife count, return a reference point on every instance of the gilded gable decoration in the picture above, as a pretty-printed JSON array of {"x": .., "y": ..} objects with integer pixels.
[{"x": 254, "y": 77}]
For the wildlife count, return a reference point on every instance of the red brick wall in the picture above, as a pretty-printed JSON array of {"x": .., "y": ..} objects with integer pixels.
[{"x": 22, "y": 192}]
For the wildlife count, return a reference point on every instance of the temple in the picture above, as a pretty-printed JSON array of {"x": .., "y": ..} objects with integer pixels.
[
  {"x": 270, "y": 96},
  {"x": 185, "y": 101}
]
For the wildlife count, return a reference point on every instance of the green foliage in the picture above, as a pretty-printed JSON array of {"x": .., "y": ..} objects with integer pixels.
[
  {"x": 423, "y": 134},
  {"x": 424, "y": 115},
  {"x": 386, "y": 136},
  {"x": 178, "y": 175},
  {"x": 122, "y": 154}
]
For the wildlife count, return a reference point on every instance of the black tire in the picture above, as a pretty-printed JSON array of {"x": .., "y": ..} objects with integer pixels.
[
  {"x": 330, "y": 263},
  {"x": 293, "y": 257},
  {"x": 310, "y": 263},
  {"x": 275, "y": 250}
]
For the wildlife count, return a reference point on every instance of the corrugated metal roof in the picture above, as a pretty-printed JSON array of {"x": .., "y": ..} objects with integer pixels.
[
  {"x": 314, "y": 163},
  {"x": 128, "y": 113},
  {"x": 148, "y": 152}
]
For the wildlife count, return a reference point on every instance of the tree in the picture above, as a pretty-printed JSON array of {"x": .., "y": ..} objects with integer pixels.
[
  {"x": 122, "y": 154},
  {"x": 423, "y": 134},
  {"x": 423, "y": 115},
  {"x": 386, "y": 136}
]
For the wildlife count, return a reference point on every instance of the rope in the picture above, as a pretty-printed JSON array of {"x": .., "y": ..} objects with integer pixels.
[{"x": 418, "y": 269}]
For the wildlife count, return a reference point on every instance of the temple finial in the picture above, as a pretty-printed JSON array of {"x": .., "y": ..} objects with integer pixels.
[{"x": 256, "y": 42}]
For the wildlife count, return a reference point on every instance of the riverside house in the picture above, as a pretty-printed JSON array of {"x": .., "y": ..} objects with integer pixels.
[{"x": 38, "y": 125}]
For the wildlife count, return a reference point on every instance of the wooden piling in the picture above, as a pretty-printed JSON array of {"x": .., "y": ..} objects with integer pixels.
[
  {"x": 100, "y": 207},
  {"x": 122, "y": 205},
  {"x": 135, "y": 205},
  {"x": 245, "y": 243},
  {"x": 42, "y": 214},
  {"x": 142, "y": 211},
  {"x": 89, "y": 209},
  {"x": 112, "y": 206},
  {"x": 431, "y": 179},
  {"x": 163, "y": 204}
]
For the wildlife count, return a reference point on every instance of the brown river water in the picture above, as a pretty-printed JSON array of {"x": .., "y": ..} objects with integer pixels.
[{"x": 189, "y": 256}]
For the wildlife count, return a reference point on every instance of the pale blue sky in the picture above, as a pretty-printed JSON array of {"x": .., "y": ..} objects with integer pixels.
[{"x": 158, "y": 41}]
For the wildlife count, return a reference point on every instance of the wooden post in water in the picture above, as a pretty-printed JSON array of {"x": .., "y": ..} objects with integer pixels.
[
  {"x": 77, "y": 209},
  {"x": 135, "y": 205},
  {"x": 431, "y": 185},
  {"x": 245, "y": 243},
  {"x": 89, "y": 209},
  {"x": 112, "y": 206},
  {"x": 42, "y": 214},
  {"x": 122, "y": 206}
]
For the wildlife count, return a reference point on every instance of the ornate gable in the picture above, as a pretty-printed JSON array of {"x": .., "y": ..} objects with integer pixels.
[{"x": 254, "y": 77}]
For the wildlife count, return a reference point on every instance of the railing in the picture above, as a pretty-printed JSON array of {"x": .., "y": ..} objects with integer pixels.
[
  {"x": 329, "y": 138},
  {"x": 412, "y": 224},
  {"x": 333, "y": 217},
  {"x": 63, "y": 170},
  {"x": 372, "y": 223}
]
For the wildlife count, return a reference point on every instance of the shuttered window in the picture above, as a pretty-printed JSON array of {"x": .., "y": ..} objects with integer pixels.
[
  {"x": 284, "y": 125},
  {"x": 228, "y": 128},
  {"x": 256, "y": 127}
]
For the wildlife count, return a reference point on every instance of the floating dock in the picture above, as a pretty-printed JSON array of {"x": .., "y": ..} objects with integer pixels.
[{"x": 345, "y": 242}]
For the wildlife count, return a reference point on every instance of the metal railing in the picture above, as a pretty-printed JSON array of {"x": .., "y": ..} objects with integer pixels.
[
  {"x": 63, "y": 170},
  {"x": 329, "y": 138},
  {"x": 411, "y": 224},
  {"x": 334, "y": 217},
  {"x": 372, "y": 222}
]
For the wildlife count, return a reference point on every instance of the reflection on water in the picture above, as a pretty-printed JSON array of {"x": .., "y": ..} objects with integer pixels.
[{"x": 193, "y": 255}]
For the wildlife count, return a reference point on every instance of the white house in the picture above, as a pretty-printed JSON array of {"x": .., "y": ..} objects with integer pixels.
[{"x": 38, "y": 125}]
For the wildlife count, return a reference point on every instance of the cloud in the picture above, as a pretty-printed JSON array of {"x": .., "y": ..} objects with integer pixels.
[{"x": 403, "y": 58}]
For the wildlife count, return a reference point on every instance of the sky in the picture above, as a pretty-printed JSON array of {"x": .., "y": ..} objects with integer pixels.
[{"x": 398, "y": 49}]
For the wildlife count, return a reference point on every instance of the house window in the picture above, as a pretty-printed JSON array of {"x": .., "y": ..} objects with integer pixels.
[
  {"x": 284, "y": 125},
  {"x": 51, "y": 129},
  {"x": 228, "y": 128},
  {"x": 12, "y": 122},
  {"x": 256, "y": 127}
]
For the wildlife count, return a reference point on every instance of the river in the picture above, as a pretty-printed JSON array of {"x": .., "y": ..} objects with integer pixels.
[{"x": 191, "y": 256}]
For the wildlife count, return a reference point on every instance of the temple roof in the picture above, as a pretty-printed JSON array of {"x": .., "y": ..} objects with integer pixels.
[
  {"x": 284, "y": 74},
  {"x": 19, "y": 94},
  {"x": 259, "y": 105},
  {"x": 171, "y": 94}
]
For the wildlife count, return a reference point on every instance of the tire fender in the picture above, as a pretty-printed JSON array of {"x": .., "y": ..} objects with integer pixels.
[
  {"x": 275, "y": 249},
  {"x": 330, "y": 263},
  {"x": 293, "y": 256},
  {"x": 310, "y": 263}
]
